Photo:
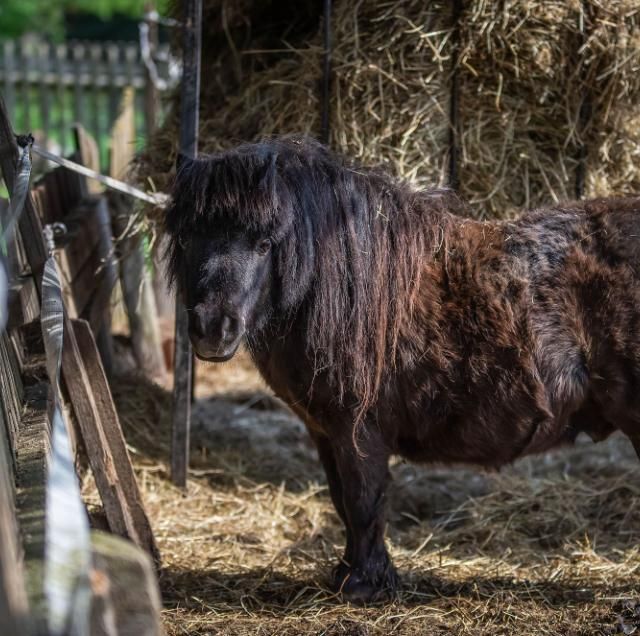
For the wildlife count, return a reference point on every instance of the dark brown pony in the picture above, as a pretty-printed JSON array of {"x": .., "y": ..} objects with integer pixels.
[{"x": 392, "y": 324}]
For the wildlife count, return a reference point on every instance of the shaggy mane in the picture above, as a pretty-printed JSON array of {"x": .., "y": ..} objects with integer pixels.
[{"x": 349, "y": 247}]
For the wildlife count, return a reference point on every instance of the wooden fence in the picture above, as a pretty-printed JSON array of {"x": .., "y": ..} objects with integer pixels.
[
  {"x": 48, "y": 86},
  {"x": 45, "y": 568}
]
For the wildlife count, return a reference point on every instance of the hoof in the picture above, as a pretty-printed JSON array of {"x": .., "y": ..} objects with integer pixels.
[{"x": 362, "y": 587}]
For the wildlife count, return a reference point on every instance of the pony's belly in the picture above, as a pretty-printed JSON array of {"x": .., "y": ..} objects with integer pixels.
[{"x": 480, "y": 443}]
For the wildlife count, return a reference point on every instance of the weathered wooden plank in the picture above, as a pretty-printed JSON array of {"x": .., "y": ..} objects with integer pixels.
[
  {"x": 88, "y": 154},
  {"x": 13, "y": 597},
  {"x": 87, "y": 247},
  {"x": 137, "y": 292},
  {"x": 24, "y": 304},
  {"x": 99, "y": 310},
  {"x": 123, "y": 567},
  {"x": 8, "y": 51},
  {"x": 30, "y": 227},
  {"x": 103, "y": 440},
  {"x": 136, "y": 286},
  {"x": 79, "y": 96},
  {"x": 79, "y": 387},
  {"x": 32, "y": 452},
  {"x": 11, "y": 388},
  {"x": 44, "y": 49},
  {"x": 151, "y": 97},
  {"x": 16, "y": 255},
  {"x": 114, "y": 437}
]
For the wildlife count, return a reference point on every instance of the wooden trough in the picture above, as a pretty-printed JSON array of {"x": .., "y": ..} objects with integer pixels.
[{"x": 119, "y": 564}]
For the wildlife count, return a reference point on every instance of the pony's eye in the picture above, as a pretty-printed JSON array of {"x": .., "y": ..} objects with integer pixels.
[
  {"x": 263, "y": 246},
  {"x": 182, "y": 242}
]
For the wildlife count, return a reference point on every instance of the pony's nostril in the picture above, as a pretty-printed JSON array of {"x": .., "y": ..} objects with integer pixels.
[
  {"x": 199, "y": 322},
  {"x": 199, "y": 327},
  {"x": 225, "y": 326}
]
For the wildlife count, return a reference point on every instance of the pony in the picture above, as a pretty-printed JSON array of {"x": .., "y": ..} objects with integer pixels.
[{"x": 394, "y": 324}]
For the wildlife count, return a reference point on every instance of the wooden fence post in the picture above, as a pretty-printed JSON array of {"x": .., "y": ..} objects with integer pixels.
[
  {"x": 29, "y": 223},
  {"x": 189, "y": 120},
  {"x": 135, "y": 280}
]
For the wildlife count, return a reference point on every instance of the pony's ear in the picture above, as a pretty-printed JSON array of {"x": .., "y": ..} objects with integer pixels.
[
  {"x": 267, "y": 178},
  {"x": 267, "y": 174}
]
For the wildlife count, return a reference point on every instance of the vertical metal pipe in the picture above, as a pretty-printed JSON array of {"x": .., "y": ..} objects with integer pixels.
[
  {"x": 326, "y": 75},
  {"x": 188, "y": 144},
  {"x": 454, "y": 109},
  {"x": 584, "y": 115}
]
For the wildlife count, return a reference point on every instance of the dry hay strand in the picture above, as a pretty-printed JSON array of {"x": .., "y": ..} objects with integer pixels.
[
  {"x": 526, "y": 67},
  {"x": 548, "y": 546}
]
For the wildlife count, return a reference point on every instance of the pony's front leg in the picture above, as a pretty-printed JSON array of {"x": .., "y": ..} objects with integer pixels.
[
  {"x": 328, "y": 459},
  {"x": 366, "y": 573}
]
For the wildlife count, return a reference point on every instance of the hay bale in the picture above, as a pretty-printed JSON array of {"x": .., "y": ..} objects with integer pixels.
[
  {"x": 515, "y": 66},
  {"x": 389, "y": 93},
  {"x": 526, "y": 67},
  {"x": 527, "y": 70},
  {"x": 612, "y": 61},
  {"x": 391, "y": 86}
]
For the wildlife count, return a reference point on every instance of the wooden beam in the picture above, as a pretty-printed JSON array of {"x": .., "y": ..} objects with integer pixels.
[
  {"x": 11, "y": 388},
  {"x": 13, "y": 597},
  {"x": 137, "y": 292},
  {"x": 23, "y": 302},
  {"x": 32, "y": 452},
  {"x": 29, "y": 225},
  {"x": 189, "y": 121},
  {"x": 99, "y": 424}
]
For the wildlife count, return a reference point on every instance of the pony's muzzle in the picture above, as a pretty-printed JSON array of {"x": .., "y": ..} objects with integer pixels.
[{"x": 215, "y": 334}]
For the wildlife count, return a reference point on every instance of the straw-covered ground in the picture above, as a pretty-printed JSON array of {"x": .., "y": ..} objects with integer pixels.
[{"x": 548, "y": 546}]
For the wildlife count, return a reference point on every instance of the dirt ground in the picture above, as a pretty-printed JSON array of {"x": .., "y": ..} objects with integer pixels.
[{"x": 547, "y": 546}]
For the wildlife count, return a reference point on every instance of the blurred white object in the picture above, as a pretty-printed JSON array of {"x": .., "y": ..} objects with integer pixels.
[{"x": 4, "y": 286}]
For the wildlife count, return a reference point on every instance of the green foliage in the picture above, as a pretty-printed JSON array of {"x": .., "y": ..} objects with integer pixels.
[
  {"x": 107, "y": 8},
  {"x": 46, "y": 17},
  {"x": 20, "y": 16}
]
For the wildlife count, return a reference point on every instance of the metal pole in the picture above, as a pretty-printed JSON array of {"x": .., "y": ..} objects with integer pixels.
[
  {"x": 454, "y": 122},
  {"x": 150, "y": 90},
  {"x": 188, "y": 143},
  {"x": 326, "y": 74}
]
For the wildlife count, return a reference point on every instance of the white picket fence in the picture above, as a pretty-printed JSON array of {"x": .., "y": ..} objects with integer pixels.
[{"x": 49, "y": 86}]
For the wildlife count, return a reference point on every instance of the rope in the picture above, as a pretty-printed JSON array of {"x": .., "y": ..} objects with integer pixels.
[
  {"x": 156, "y": 198},
  {"x": 68, "y": 546},
  {"x": 154, "y": 16},
  {"x": 20, "y": 187},
  {"x": 147, "y": 57}
]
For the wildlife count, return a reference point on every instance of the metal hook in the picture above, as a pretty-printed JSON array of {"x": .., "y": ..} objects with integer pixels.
[{"x": 53, "y": 232}]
